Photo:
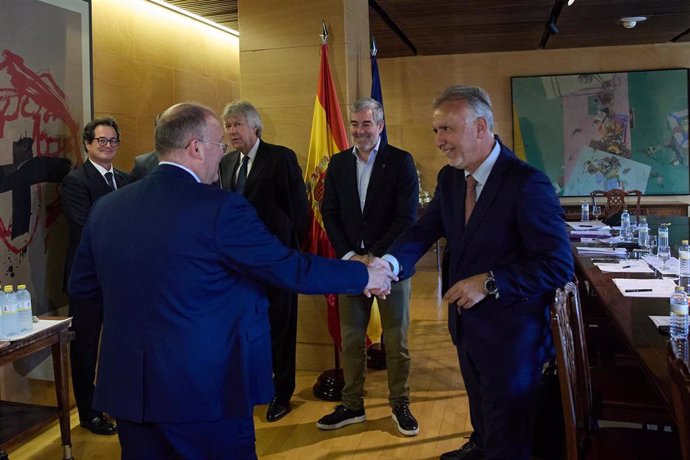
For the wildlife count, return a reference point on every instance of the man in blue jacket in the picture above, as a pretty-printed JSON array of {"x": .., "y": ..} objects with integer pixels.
[
  {"x": 507, "y": 252},
  {"x": 186, "y": 351}
]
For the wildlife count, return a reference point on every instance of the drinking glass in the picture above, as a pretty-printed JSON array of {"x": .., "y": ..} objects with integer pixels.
[
  {"x": 652, "y": 243},
  {"x": 664, "y": 253},
  {"x": 596, "y": 211}
]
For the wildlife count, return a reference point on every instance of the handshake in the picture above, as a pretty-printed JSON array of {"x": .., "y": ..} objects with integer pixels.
[{"x": 380, "y": 275}]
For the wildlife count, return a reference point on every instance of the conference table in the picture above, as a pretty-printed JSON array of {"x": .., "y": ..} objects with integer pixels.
[{"x": 630, "y": 315}]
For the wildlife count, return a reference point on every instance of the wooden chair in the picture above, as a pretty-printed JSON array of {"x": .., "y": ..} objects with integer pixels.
[
  {"x": 583, "y": 438},
  {"x": 615, "y": 201},
  {"x": 680, "y": 375},
  {"x": 618, "y": 390}
]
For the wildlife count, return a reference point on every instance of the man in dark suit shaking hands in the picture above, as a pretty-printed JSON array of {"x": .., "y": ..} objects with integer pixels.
[
  {"x": 270, "y": 178},
  {"x": 507, "y": 252},
  {"x": 181, "y": 265},
  {"x": 371, "y": 195},
  {"x": 80, "y": 189}
]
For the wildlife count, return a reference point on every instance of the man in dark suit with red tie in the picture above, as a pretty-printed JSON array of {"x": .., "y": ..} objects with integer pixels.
[
  {"x": 181, "y": 266},
  {"x": 508, "y": 251},
  {"x": 80, "y": 189},
  {"x": 270, "y": 178}
]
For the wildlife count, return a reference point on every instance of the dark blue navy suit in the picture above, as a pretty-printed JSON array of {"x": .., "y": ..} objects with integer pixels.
[
  {"x": 185, "y": 344},
  {"x": 517, "y": 231}
]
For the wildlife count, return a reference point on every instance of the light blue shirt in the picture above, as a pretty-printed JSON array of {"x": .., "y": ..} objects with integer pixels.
[
  {"x": 481, "y": 175},
  {"x": 364, "y": 169}
]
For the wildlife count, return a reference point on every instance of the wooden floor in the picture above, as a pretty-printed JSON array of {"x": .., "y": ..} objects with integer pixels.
[{"x": 437, "y": 400}]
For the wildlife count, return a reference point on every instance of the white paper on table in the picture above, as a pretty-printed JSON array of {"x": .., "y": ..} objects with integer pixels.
[
  {"x": 659, "y": 287},
  {"x": 661, "y": 320},
  {"x": 626, "y": 266},
  {"x": 36, "y": 327},
  {"x": 599, "y": 251},
  {"x": 672, "y": 265},
  {"x": 589, "y": 225},
  {"x": 612, "y": 240}
]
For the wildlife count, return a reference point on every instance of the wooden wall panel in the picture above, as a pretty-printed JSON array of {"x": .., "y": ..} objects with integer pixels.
[
  {"x": 147, "y": 58},
  {"x": 295, "y": 25}
]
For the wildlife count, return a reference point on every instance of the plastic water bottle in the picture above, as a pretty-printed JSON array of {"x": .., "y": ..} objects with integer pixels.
[
  {"x": 679, "y": 314},
  {"x": 626, "y": 230},
  {"x": 8, "y": 303},
  {"x": 684, "y": 265},
  {"x": 643, "y": 233},
  {"x": 25, "y": 311},
  {"x": 584, "y": 214}
]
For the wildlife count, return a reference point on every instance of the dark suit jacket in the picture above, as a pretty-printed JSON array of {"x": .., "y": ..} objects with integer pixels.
[
  {"x": 79, "y": 190},
  {"x": 276, "y": 189},
  {"x": 390, "y": 205},
  {"x": 144, "y": 164},
  {"x": 185, "y": 329},
  {"x": 517, "y": 230}
]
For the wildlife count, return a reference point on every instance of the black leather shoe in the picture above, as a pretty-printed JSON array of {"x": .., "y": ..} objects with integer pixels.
[
  {"x": 469, "y": 451},
  {"x": 100, "y": 425},
  {"x": 277, "y": 410}
]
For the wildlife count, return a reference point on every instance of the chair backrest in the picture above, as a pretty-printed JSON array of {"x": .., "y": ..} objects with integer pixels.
[
  {"x": 680, "y": 388},
  {"x": 615, "y": 201},
  {"x": 573, "y": 369}
]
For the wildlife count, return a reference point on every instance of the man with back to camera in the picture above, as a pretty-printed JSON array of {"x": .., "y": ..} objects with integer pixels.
[
  {"x": 508, "y": 251},
  {"x": 185, "y": 354},
  {"x": 272, "y": 182},
  {"x": 80, "y": 189},
  {"x": 371, "y": 195}
]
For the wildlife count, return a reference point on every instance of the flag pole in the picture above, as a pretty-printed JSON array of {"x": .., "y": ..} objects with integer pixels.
[{"x": 328, "y": 125}]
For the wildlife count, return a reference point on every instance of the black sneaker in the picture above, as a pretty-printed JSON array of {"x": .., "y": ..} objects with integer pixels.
[
  {"x": 341, "y": 417},
  {"x": 405, "y": 421}
]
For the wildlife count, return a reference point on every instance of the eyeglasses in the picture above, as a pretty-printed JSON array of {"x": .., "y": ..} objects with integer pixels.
[
  {"x": 223, "y": 146},
  {"x": 103, "y": 141}
]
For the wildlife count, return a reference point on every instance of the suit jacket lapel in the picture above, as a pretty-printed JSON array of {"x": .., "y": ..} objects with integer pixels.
[
  {"x": 228, "y": 170},
  {"x": 489, "y": 192},
  {"x": 96, "y": 179},
  {"x": 260, "y": 160},
  {"x": 350, "y": 174}
]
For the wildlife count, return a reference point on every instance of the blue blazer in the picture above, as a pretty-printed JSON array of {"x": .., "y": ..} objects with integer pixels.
[
  {"x": 180, "y": 266},
  {"x": 516, "y": 229}
]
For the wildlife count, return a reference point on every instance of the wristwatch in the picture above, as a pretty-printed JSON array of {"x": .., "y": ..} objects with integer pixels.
[{"x": 490, "y": 286}]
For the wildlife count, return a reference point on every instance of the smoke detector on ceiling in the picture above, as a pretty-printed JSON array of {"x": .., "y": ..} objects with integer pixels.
[{"x": 631, "y": 21}]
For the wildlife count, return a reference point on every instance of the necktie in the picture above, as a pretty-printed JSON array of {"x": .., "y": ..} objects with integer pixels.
[
  {"x": 242, "y": 176},
  {"x": 470, "y": 196},
  {"x": 109, "y": 180}
]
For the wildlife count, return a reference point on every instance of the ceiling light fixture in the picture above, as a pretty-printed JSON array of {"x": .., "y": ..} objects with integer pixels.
[
  {"x": 631, "y": 21},
  {"x": 570, "y": 2},
  {"x": 196, "y": 17}
]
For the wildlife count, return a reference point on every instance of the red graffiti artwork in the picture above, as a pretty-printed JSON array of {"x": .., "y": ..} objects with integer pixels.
[{"x": 39, "y": 156}]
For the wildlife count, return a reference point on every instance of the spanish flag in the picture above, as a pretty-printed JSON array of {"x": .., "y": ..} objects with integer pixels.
[{"x": 328, "y": 136}]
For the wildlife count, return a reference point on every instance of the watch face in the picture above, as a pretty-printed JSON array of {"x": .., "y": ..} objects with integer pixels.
[{"x": 490, "y": 286}]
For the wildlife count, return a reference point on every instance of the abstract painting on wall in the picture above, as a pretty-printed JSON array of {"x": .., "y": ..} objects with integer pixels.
[
  {"x": 602, "y": 131},
  {"x": 45, "y": 97}
]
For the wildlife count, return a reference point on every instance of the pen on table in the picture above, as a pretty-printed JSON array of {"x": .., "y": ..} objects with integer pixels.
[
  {"x": 626, "y": 266},
  {"x": 584, "y": 225},
  {"x": 639, "y": 290}
]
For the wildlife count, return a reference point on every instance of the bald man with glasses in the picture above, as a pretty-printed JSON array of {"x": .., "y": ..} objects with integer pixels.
[{"x": 80, "y": 189}]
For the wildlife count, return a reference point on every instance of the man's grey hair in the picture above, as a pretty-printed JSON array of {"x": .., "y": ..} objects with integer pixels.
[
  {"x": 248, "y": 111},
  {"x": 367, "y": 103},
  {"x": 475, "y": 97}
]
